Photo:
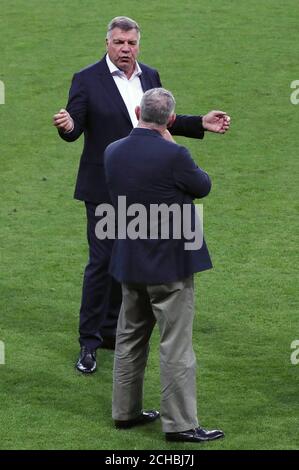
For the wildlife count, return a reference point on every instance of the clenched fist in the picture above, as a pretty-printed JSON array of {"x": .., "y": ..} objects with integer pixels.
[{"x": 63, "y": 121}]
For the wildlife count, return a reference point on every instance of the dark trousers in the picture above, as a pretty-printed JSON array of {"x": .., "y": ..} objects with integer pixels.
[{"x": 101, "y": 294}]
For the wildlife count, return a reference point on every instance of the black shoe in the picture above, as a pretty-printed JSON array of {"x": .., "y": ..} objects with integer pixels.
[
  {"x": 144, "y": 418},
  {"x": 108, "y": 342},
  {"x": 194, "y": 435},
  {"x": 87, "y": 360}
]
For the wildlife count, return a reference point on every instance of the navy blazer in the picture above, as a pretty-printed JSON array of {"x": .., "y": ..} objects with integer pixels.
[
  {"x": 99, "y": 111},
  {"x": 147, "y": 169}
]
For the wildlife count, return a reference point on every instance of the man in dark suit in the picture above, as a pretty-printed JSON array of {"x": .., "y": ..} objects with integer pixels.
[
  {"x": 101, "y": 105},
  {"x": 155, "y": 268}
]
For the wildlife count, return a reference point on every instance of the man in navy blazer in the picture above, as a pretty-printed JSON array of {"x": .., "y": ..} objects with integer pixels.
[
  {"x": 154, "y": 263},
  {"x": 164, "y": 180},
  {"x": 101, "y": 105}
]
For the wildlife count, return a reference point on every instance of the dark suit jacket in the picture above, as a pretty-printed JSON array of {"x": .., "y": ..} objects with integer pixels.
[
  {"x": 99, "y": 111},
  {"x": 147, "y": 169}
]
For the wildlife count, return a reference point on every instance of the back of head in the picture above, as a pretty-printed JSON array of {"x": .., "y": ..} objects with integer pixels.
[{"x": 157, "y": 105}]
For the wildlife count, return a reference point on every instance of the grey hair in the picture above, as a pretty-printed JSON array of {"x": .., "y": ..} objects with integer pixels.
[
  {"x": 124, "y": 23},
  {"x": 157, "y": 105}
]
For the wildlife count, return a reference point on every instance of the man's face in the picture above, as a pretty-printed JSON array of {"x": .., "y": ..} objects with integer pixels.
[{"x": 123, "y": 49}]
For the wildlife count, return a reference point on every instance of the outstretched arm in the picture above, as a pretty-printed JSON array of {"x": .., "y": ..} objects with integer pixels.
[{"x": 195, "y": 126}]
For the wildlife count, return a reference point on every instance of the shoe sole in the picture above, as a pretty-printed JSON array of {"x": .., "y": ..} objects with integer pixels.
[
  {"x": 86, "y": 371},
  {"x": 128, "y": 425},
  {"x": 193, "y": 440}
]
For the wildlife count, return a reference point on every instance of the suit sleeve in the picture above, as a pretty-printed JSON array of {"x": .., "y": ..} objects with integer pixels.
[
  {"x": 189, "y": 177},
  {"x": 77, "y": 107},
  {"x": 159, "y": 84},
  {"x": 186, "y": 125}
]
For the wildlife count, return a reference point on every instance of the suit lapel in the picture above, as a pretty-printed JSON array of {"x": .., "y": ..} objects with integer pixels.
[
  {"x": 145, "y": 80},
  {"x": 111, "y": 88}
]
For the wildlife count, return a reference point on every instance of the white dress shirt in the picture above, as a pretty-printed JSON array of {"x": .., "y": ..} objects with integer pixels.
[{"x": 130, "y": 89}]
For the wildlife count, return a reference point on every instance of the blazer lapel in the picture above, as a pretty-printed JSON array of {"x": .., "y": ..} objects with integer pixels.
[
  {"x": 111, "y": 88},
  {"x": 145, "y": 80}
]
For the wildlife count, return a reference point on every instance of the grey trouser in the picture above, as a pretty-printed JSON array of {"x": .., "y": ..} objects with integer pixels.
[{"x": 172, "y": 307}]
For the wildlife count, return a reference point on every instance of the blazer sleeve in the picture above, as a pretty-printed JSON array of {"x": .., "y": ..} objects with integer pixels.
[
  {"x": 188, "y": 126},
  {"x": 158, "y": 80},
  {"x": 77, "y": 107},
  {"x": 189, "y": 177}
]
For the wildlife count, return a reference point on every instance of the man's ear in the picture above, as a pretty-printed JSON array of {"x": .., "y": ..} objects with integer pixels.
[
  {"x": 171, "y": 120},
  {"x": 106, "y": 40},
  {"x": 137, "y": 112}
]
